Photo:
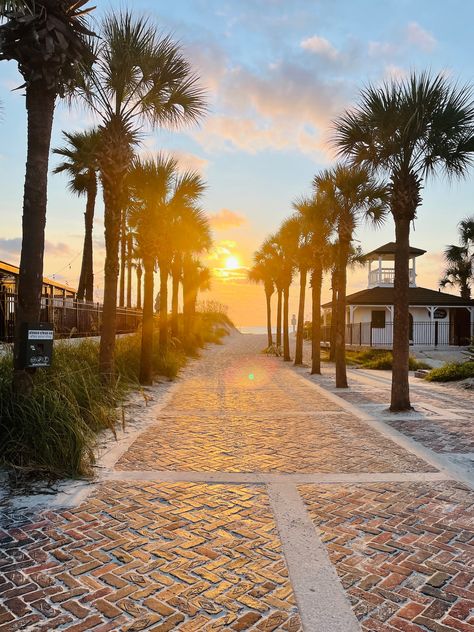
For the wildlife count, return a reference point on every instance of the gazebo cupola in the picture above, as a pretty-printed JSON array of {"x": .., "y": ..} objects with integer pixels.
[{"x": 382, "y": 265}]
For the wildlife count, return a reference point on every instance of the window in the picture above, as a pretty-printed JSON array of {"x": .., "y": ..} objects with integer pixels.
[{"x": 378, "y": 319}]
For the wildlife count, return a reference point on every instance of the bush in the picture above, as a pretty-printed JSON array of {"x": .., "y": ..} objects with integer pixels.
[
  {"x": 451, "y": 372},
  {"x": 380, "y": 359}
]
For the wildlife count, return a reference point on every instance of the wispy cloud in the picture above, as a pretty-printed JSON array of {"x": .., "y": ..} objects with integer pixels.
[{"x": 419, "y": 37}]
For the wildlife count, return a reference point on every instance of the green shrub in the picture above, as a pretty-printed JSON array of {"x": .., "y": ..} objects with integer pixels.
[
  {"x": 451, "y": 372},
  {"x": 380, "y": 359}
]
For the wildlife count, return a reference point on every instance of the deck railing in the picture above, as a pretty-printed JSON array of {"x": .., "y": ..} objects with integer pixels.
[
  {"x": 70, "y": 318},
  {"x": 429, "y": 333}
]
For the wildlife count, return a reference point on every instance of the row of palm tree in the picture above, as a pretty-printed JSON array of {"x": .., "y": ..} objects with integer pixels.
[
  {"x": 395, "y": 136},
  {"x": 459, "y": 258},
  {"x": 131, "y": 78},
  {"x": 319, "y": 238}
]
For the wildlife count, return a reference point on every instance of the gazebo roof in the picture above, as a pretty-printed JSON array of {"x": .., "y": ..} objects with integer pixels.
[{"x": 389, "y": 249}]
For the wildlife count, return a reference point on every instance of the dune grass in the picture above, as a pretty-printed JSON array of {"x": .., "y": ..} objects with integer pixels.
[{"x": 53, "y": 431}]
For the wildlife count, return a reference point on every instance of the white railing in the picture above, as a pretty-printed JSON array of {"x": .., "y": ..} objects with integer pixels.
[{"x": 386, "y": 276}]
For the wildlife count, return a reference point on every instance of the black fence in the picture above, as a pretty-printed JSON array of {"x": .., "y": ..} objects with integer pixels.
[
  {"x": 70, "y": 318},
  {"x": 430, "y": 333}
]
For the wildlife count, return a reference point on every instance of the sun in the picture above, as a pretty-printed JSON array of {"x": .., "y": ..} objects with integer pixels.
[{"x": 232, "y": 263}]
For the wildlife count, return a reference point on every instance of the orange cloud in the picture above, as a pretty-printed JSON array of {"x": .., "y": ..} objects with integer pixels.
[{"x": 226, "y": 218}]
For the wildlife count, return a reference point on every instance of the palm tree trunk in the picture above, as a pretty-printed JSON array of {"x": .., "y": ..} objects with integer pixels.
[
  {"x": 187, "y": 308},
  {"x": 316, "y": 283},
  {"x": 340, "y": 351},
  {"x": 332, "y": 327},
  {"x": 146, "y": 356},
  {"x": 286, "y": 338},
  {"x": 123, "y": 256},
  {"x": 175, "y": 300},
  {"x": 129, "y": 269},
  {"x": 300, "y": 326},
  {"x": 86, "y": 279},
  {"x": 400, "y": 397},
  {"x": 139, "y": 285},
  {"x": 268, "y": 296},
  {"x": 40, "y": 109},
  {"x": 279, "y": 306},
  {"x": 163, "y": 308},
  {"x": 112, "y": 215}
]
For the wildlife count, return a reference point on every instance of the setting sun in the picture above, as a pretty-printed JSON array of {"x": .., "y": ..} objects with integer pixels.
[{"x": 232, "y": 263}]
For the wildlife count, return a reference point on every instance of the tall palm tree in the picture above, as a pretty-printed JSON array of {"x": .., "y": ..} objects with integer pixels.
[
  {"x": 261, "y": 272},
  {"x": 179, "y": 214},
  {"x": 318, "y": 224},
  {"x": 288, "y": 241},
  {"x": 140, "y": 78},
  {"x": 80, "y": 163},
  {"x": 191, "y": 236},
  {"x": 272, "y": 253},
  {"x": 49, "y": 40},
  {"x": 303, "y": 261},
  {"x": 196, "y": 278},
  {"x": 144, "y": 186},
  {"x": 408, "y": 129},
  {"x": 460, "y": 259},
  {"x": 353, "y": 195}
]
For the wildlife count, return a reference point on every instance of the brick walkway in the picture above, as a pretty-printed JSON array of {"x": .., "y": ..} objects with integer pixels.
[{"x": 256, "y": 500}]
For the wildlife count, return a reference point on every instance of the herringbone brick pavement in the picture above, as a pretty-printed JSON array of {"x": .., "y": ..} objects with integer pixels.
[
  {"x": 404, "y": 552},
  {"x": 148, "y": 556},
  {"x": 267, "y": 443}
]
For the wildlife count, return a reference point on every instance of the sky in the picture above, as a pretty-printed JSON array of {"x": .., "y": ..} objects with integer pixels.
[{"x": 277, "y": 74}]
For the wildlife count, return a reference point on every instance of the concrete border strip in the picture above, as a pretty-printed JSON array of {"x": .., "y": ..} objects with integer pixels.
[
  {"x": 322, "y": 602},
  {"x": 442, "y": 462},
  {"x": 263, "y": 478}
]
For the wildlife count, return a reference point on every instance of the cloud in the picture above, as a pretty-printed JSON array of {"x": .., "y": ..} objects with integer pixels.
[
  {"x": 320, "y": 46},
  {"x": 226, "y": 218},
  {"x": 12, "y": 246},
  {"x": 287, "y": 106},
  {"x": 420, "y": 38}
]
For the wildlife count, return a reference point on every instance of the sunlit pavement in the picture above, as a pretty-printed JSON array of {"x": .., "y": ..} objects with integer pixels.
[{"x": 261, "y": 500}]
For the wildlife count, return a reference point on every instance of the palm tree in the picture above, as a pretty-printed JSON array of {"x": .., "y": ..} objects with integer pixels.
[
  {"x": 191, "y": 236},
  {"x": 303, "y": 260},
  {"x": 288, "y": 240},
  {"x": 271, "y": 251},
  {"x": 147, "y": 183},
  {"x": 49, "y": 40},
  {"x": 352, "y": 194},
  {"x": 460, "y": 259},
  {"x": 408, "y": 129},
  {"x": 140, "y": 78},
  {"x": 261, "y": 272},
  {"x": 80, "y": 154},
  {"x": 196, "y": 278},
  {"x": 317, "y": 221}
]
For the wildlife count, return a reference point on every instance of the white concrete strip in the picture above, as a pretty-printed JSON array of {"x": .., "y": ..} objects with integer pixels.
[
  {"x": 261, "y": 478},
  {"x": 443, "y": 413},
  {"x": 441, "y": 461},
  {"x": 322, "y": 602}
]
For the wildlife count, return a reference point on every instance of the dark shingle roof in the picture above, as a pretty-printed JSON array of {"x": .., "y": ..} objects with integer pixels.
[
  {"x": 389, "y": 249},
  {"x": 417, "y": 296}
]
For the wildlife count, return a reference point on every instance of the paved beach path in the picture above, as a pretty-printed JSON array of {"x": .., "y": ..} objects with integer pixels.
[{"x": 259, "y": 500}]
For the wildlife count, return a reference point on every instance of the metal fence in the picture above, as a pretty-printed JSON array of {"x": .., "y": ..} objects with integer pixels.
[
  {"x": 69, "y": 318},
  {"x": 430, "y": 333}
]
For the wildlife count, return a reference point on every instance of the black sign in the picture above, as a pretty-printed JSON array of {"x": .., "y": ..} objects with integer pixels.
[
  {"x": 36, "y": 345},
  {"x": 440, "y": 313}
]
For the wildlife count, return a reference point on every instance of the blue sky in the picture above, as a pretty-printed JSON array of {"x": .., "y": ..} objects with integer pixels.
[{"x": 277, "y": 73}]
